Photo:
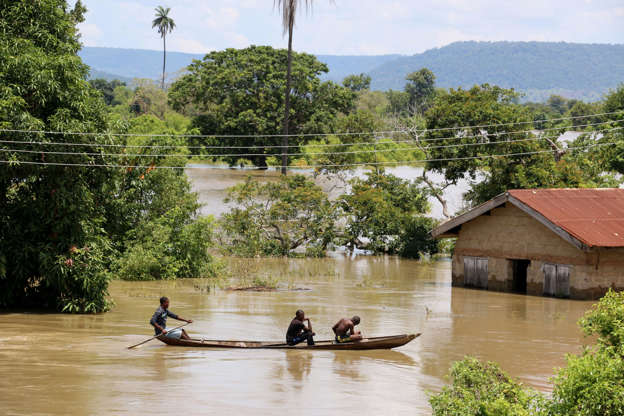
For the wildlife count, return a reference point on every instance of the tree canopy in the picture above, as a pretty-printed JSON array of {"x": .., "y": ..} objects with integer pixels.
[{"x": 241, "y": 92}]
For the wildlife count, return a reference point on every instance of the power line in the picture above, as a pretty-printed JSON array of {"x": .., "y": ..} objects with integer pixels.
[
  {"x": 498, "y": 134},
  {"x": 240, "y": 136},
  {"x": 373, "y": 151},
  {"x": 16, "y": 162}
]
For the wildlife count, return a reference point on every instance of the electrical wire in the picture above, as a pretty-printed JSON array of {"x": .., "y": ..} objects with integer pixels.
[
  {"x": 373, "y": 151},
  {"x": 297, "y": 146},
  {"x": 240, "y": 136},
  {"x": 17, "y": 162}
]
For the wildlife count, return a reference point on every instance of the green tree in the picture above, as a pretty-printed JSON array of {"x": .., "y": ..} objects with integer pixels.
[
  {"x": 474, "y": 153},
  {"x": 382, "y": 212},
  {"x": 107, "y": 88},
  {"x": 399, "y": 103},
  {"x": 165, "y": 25},
  {"x": 53, "y": 250},
  {"x": 241, "y": 92},
  {"x": 420, "y": 87},
  {"x": 483, "y": 389},
  {"x": 357, "y": 83},
  {"x": 276, "y": 218}
]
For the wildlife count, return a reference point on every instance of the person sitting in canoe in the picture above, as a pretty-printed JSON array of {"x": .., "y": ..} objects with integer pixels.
[
  {"x": 159, "y": 321},
  {"x": 297, "y": 332},
  {"x": 345, "y": 330}
]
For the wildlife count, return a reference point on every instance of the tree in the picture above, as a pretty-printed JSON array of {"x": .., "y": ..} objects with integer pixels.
[
  {"x": 503, "y": 155},
  {"x": 357, "y": 83},
  {"x": 276, "y": 218},
  {"x": 241, "y": 92},
  {"x": 381, "y": 211},
  {"x": 421, "y": 89},
  {"x": 288, "y": 10},
  {"x": 165, "y": 25},
  {"x": 53, "y": 250},
  {"x": 106, "y": 88}
]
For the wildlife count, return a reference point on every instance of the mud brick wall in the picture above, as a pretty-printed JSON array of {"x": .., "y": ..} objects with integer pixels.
[{"x": 509, "y": 233}]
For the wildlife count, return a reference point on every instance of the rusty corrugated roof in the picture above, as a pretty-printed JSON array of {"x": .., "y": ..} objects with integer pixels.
[{"x": 593, "y": 216}]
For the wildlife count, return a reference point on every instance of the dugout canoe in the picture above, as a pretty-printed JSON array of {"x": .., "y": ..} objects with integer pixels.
[{"x": 372, "y": 343}]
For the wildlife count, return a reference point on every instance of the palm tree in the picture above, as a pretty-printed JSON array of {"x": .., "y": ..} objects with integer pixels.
[
  {"x": 165, "y": 25},
  {"x": 288, "y": 10}
]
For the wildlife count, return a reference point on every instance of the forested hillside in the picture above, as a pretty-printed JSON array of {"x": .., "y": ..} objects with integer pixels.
[{"x": 538, "y": 69}]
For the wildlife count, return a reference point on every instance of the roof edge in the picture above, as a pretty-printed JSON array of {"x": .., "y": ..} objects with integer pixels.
[
  {"x": 549, "y": 224},
  {"x": 442, "y": 229},
  {"x": 470, "y": 215}
]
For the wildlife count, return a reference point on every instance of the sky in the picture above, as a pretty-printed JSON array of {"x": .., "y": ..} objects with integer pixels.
[{"x": 352, "y": 27}]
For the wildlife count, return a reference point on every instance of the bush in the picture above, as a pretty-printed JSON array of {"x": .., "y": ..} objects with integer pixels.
[
  {"x": 167, "y": 248},
  {"x": 483, "y": 389},
  {"x": 416, "y": 238}
]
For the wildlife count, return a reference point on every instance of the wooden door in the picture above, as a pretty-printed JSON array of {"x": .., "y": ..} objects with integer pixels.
[
  {"x": 481, "y": 266},
  {"x": 562, "y": 287},
  {"x": 550, "y": 279},
  {"x": 469, "y": 271}
]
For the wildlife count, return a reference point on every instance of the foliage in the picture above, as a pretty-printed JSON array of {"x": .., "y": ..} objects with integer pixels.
[
  {"x": 416, "y": 238},
  {"x": 421, "y": 90},
  {"x": 483, "y": 389},
  {"x": 47, "y": 210},
  {"x": 530, "y": 163},
  {"x": 241, "y": 92},
  {"x": 381, "y": 215},
  {"x": 107, "y": 88},
  {"x": 168, "y": 247},
  {"x": 357, "y": 83},
  {"x": 592, "y": 384},
  {"x": 276, "y": 218}
]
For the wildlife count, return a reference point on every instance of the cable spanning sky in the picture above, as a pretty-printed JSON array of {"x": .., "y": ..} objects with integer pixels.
[{"x": 352, "y": 27}]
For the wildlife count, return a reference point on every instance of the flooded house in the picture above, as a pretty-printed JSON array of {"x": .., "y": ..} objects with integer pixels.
[{"x": 551, "y": 242}]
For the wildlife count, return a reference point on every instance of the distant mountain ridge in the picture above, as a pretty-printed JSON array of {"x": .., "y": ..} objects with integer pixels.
[{"x": 538, "y": 69}]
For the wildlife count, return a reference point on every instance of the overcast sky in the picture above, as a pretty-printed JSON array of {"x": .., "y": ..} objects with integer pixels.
[{"x": 353, "y": 27}]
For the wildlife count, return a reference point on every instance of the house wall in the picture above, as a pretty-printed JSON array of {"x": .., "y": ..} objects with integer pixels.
[{"x": 509, "y": 233}]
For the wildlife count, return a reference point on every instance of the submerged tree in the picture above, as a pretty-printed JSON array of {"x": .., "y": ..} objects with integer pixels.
[
  {"x": 165, "y": 24},
  {"x": 276, "y": 218}
]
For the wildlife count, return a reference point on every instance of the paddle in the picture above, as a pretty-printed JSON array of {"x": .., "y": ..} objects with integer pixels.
[{"x": 156, "y": 336}]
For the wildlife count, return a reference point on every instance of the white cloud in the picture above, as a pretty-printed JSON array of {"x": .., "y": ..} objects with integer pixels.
[
  {"x": 90, "y": 33},
  {"x": 353, "y": 26}
]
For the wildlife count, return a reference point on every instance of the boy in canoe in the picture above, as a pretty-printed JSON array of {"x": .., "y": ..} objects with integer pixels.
[
  {"x": 297, "y": 332},
  {"x": 159, "y": 321},
  {"x": 345, "y": 330}
]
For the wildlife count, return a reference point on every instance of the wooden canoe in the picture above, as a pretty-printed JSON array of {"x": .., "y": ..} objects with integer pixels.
[{"x": 373, "y": 343}]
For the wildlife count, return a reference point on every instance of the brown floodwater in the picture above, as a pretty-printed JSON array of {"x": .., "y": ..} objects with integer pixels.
[{"x": 57, "y": 364}]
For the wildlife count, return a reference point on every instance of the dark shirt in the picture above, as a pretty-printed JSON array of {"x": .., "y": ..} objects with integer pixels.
[
  {"x": 295, "y": 328},
  {"x": 160, "y": 317}
]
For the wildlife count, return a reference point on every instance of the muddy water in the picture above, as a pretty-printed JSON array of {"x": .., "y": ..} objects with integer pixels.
[
  {"x": 79, "y": 365},
  {"x": 211, "y": 185},
  {"x": 62, "y": 364}
]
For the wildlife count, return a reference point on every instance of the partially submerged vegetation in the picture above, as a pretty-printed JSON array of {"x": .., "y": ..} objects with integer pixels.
[
  {"x": 591, "y": 384},
  {"x": 114, "y": 202}
]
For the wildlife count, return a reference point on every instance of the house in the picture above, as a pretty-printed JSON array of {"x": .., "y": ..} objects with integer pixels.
[{"x": 551, "y": 242}]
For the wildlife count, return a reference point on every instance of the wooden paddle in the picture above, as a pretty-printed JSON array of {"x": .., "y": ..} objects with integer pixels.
[{"x": 156, "y": 336}]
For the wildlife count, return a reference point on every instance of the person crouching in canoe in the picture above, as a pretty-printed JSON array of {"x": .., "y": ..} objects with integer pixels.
[
  {"x": 297, "y": 332},
  {"x": 345, "y": 330},
  {"x": 159, "y": 321}
]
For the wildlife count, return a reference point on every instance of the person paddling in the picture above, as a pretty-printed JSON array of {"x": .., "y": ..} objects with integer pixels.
[
  {"x": 345, "y": 330},
  {"x": 297, "y": 331},
  {"x": 159, "y": 321}
]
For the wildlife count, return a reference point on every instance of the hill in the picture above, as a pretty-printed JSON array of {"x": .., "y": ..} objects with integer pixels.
[{"x": 538, "y": 69}]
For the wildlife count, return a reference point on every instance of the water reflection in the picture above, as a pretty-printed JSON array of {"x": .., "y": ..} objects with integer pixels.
[{"x": 57, "y": 359}]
